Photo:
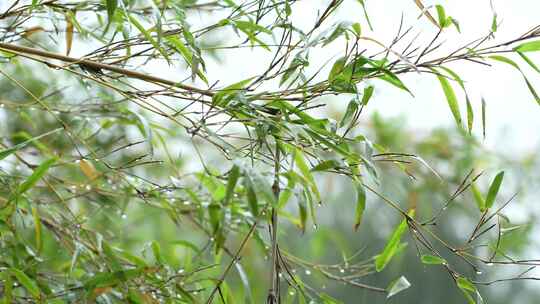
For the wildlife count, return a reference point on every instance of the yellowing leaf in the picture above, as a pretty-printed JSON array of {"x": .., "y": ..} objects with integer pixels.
[
  {"x": 69, "y": 35},
  {"x": 88, "y": 169}
]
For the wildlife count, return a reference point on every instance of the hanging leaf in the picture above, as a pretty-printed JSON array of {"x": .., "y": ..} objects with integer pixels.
[
  {"x": 251, "y": 196},
  {"x": 360, "y": 204},
  {"x": 30, "y": 285},
  {"x": 234, "y": 174},
  {"x": 480, "y": 202},
  {"x": 392, "y": 245},
  {"x": 38, "y": 173},
  {"x": 37, "y": 229},
  {"x": 69, "y": 34},
  {"x": 397, "y": 286},
  {"x": 483, "y": 118},
  {"x": 432, "y": 260},
  {"x": 368, "y": 92},
  {"x": 88, "y": 169},
  {"x": 351, "y": 111},
  {"x": 306, "y": 173},
  {"x": 516, "y": 66},
  {"x": 529, "y": 61},
  {"x": 494, "y": 189},
  {"x": 470, "y": 115},
  {"x": 111, "y": 8},
  {"x": 451, "y": 99}
]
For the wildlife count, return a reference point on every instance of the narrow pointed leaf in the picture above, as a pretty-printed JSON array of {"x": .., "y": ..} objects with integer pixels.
[
  {"x": 360, "y": 204},
  {"x": 28, "y": 284},
  {"x": 451, "y": 99},
  {"x": 397, "y": 286},
  {"x": 392, "y": 245},
  {"x": 494, "y": 189},
  {"x": 234, "y": 174},
  {"x": 432, "y": 260},
  {"x": 531, "y": 46}
]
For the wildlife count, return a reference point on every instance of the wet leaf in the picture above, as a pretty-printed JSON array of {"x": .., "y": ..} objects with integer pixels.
[{"x": 397, "y": 286}]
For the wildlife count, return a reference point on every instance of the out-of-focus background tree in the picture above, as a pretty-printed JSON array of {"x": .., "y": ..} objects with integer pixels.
[{"x": 116, "y": 187}]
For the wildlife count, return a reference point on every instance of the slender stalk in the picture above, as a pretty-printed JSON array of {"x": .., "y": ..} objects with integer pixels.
[{"x": 273, "y": 293}]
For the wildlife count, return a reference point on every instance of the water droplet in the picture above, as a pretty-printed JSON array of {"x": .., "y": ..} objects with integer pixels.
[
  {"x": 181, "y": 270},
  {"x": 478, "y": 272},
  {"x": 280, "y": 275},
  {"x": 77, "y": 161},
  {"x": 124, "y": 216},
  {"x": 308, "y": 272},
  {"x": 342, "y": 270},
  {"x": 291, "y": 292},
  {"x": 294, "y": 271},
  {"x": 109, "y": 181},
  {"x": 489, "y": 264},
  {"x": 212, "y": 239},
  {"x": 88, "y": 187},
  {"x": 187, "y": 203}
]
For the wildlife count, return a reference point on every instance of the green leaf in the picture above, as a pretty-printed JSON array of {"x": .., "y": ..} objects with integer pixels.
[
  {"x": 251, "y": 196},
  {"x": 36, "y": 176},
  {"x": 214, "y": 186},
  {"x": 441, "y": 16},
  {"x": 148, "y": 36},
  {"x": 515, "y": 65},
  {"x": 337, "y": 69},
  {"x": 111, "y": 8},
  {"x": 30, "y": 285},
  {"x": 470, "y": 115},
  {"x": 432, "y": 260},
  {"x": 494, "y": 189},
  {"x": 107, "y": 279},
  {"x": 234, "y": 174},
  {"x": 326, "y": 165},
  {"x": 38, "y": 229},
  {"x": 156, "y": 250},
  {"x": 214, "y": 212},
  {"x": 6, "y": 152},
  {"x": 351, "y": 111},
  {"x": 531, "y": 46},
  {"x": 392, "y": 245},
  {"x": 365, "y": 13},
  {"x": 480, "y": 202},
  {"x": 468, "y": 288},
  {"x": 368, "y": 92},
  {"x": 397, "y": 286},
  {"x": 394, "y": 80},
  {"x": 483, "y": 118},
  {"x": 226, "y": 94},
  {"x": 529, "y": 62},
  {"x": 306, "y": 172},
  {"x": 302, "y": 211},
  {"x": 360, "y": 204},
  {"x": 465, "y": 284},
  {"x": 451, "y": 99}
]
